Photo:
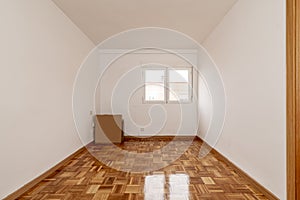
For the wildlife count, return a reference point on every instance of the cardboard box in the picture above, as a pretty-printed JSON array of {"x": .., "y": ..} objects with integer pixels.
[{"x": 109, "y": 129}]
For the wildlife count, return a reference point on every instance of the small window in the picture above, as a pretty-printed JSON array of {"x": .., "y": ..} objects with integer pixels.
[{"x": 168, "y": 85}]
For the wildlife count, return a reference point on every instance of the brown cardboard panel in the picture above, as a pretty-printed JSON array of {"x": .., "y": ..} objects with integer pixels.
[{"x": 108, "y": 128}]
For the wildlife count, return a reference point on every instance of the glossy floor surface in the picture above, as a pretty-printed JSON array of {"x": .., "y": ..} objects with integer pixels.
[{"x": 189, "y": 177}]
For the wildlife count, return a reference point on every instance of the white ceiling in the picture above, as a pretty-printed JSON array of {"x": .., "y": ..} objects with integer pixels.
[{"x": 100, "y": 19}]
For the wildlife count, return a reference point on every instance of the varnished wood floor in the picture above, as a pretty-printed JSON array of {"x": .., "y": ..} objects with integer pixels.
[{"x": 189, "y": 177}]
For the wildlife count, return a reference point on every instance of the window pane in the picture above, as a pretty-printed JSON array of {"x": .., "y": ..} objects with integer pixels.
[
  {"x": 179, "y": 85},
  {"x": 154, "y": 92},
  {"x": 178, "y": 91},
  {"x": 155, "y": 85},
  {"x": 154, "y": 75},
  {"x": 179, "y": 76}
]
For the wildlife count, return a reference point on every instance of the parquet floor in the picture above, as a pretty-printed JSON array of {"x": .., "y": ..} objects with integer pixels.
[{"x": 189, "y": 177}]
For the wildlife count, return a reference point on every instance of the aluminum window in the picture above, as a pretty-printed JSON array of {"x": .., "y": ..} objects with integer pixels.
[{"x": 167, "y": 85}]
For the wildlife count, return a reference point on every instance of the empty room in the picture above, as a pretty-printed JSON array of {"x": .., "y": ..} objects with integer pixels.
[{"x": 154, "y": 100}]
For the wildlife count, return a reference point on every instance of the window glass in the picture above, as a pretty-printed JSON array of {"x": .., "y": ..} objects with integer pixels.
[
  {"x": 155, "y": 85},
  {"x": 179, "y": 85}
]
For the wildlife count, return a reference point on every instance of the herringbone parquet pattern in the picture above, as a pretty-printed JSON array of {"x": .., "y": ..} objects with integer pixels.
[{"x": 189, "y": 177}]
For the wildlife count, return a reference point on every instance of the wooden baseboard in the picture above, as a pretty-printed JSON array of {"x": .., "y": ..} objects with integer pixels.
[
  {"x": 37, "y": 180},
  {"x": 241, "y": 173}
]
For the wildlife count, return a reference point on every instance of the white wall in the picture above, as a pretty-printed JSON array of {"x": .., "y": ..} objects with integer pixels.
[
  {"x": 205, "y": 108},
  {"x": 86, "y": 99},
  {"x": 83, "y": 96},
  {"x": 41, "y": 51},
  {"x": 121, "y": 91},
  {"x": 249, "y": 48}
]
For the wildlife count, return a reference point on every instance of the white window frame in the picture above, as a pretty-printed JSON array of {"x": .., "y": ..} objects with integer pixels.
[{"x": 166, "y": 84}]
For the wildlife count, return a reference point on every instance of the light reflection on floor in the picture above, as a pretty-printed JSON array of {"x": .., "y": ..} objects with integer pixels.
[
  {"x": 154, "y": 187},
  {"x": 178, "y": 186}
]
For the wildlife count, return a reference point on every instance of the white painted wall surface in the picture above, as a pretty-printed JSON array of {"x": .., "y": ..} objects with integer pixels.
[
  {"x": 41, "y": 51},
  {"x": 121, "y": 92},
  {"x": 205, "y": 108},
  {"x": 249, "y": 48},
  {"x": 83, "y": 96}
]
